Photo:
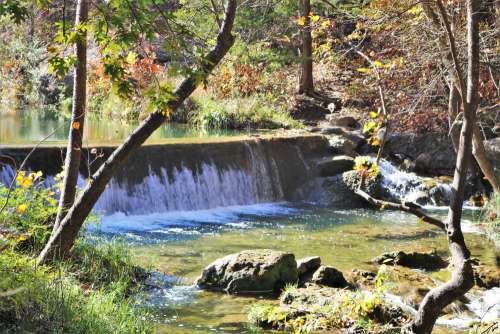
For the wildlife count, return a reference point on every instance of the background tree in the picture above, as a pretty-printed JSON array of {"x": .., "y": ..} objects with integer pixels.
[{"x": 306, "y": 84}]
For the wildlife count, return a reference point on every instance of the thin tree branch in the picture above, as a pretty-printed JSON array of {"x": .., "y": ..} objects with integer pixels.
[{"x": 409, "y": 207}]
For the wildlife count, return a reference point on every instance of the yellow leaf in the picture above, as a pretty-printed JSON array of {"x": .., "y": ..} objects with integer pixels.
[
  {"x": 27, "y": 182},
  {"x": 76, "y": 125},
  {"x": 20, "y": 177},
  {"x": 378, "y": 64},
  {"x": 36, "y": 176},
  {"x": 22, "y": 208},
  {"x": 325, "y": 23},
  {"x": 315, "y": 18},
  {"x": 373, "y": 114},
  {"x": 131, "y": 58},
  {"x": 301, "y": 21},
  {"x": 364, "y": 70},
  {"x": 421, "y": 220}
]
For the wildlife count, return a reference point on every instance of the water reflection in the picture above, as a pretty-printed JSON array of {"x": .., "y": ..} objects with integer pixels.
[{"x": 27, "y": 128}]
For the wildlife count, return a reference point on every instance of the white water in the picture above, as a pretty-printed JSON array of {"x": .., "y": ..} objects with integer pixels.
[
  {"x": 182, "y": 221},
  {"x": 187, "y": 191},
  {"x": 184, "y": 189},
  {"x": 405, "y": 186},
  {"x": 484, "y": 307}
]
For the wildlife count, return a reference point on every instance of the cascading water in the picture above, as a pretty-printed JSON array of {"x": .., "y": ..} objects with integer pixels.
[
  {"x": 251, "y": 174},
  {"x": 404, "y": 186},
  {"x": 189, "y": 191}
]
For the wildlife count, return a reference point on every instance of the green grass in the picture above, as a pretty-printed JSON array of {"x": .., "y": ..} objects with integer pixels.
[
  {"x": 241, "y": 113},
  {"x": 87, "y": 293},
  {"x": 56, "y": 299}
]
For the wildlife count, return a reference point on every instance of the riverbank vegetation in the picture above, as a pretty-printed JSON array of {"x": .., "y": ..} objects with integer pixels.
[{"x": 90, "y": 292}]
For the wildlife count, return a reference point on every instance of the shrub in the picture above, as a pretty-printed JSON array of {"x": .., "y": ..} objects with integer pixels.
[
  {"x": 31, "y": 207},
  {"x": 241, "y": 113}
]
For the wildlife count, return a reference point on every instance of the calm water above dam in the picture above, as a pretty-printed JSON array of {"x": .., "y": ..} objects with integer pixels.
[{"x": 32, "y": 127}]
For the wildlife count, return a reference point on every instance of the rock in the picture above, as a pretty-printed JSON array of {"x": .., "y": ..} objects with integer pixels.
[
  {"x": 308, "y": 265},
  {"x": 341, "y": 145},
  {"x": 423, "y": 163},
  {"x": 329, "y": 276},
  {"x": 422, "y": 146},
  {"x": 371, "y": 185},
  {"x": 336, "y": 165},
  {"x": 362, "y": 278},
  {"x": 250, "y": 272},
  {"x": 334, "y": 130},
  {"x": 492, "y": 148},
  {"x": 487, "y": 277},
  {"x": 416, "y": 260},
  {"x": 338, "y": 195},
  {"x": 343, "y": 121}
]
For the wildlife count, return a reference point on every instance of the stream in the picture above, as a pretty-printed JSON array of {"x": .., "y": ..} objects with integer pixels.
[
  {"x": 183, "y": 243},
  {"x": 187, "y": 204}
]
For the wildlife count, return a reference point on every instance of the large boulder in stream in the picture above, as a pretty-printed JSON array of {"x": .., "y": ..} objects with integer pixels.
[
  {"x": 416, "y": 260},
  {"x": 340, "y": 190},
  {"x": 250, "y": 272},
  {"x": 329, "y": 276}
]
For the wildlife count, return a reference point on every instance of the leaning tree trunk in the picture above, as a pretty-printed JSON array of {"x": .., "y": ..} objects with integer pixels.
[
  {"x": 462, "y": 277},
  {"x": 63, "y": 238},
  {"x": 74, "y": 149},
  {"x": 306, "y": 85}
]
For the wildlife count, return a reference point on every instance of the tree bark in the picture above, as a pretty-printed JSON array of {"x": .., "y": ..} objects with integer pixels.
[
  {"x": 63, "y": 237},
  {"x": 306, "y": 76},
  {"x": 453, "y": 112},
  {"x": 74, "y": 149},
  {"x": 462, "y": 277}
]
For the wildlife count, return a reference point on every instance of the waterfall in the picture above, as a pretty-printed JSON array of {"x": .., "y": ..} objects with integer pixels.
[
  {"x": 201, "y": 177},
  {"x": 188, "y": 191},
  {"x": 404, "y": 186}
]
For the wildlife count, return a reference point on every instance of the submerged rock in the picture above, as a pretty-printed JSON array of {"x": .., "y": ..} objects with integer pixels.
[
  {"x": 417, "y": 260},
  {"x": 336, "y": 165},
  {"x": 329, "y": 276},
  {"x": 410, "y": 284},
  {"x": 250, "y": 272}
]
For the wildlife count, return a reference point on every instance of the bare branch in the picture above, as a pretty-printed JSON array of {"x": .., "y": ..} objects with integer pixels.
[{"x": 409, "y": 207}]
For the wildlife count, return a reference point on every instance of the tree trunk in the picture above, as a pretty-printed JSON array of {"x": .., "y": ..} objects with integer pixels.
[
  {"x": 462, "y": 276},
  {"x": 74, "y": 149},
  {"x": 482, "y": 159},
  {"x": 306, "y": 75},
  {"x": 453, "y": 111},
  {"x": 63, "y": 237}
]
